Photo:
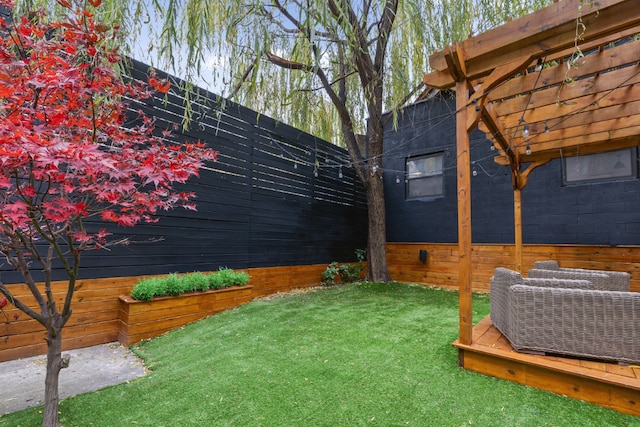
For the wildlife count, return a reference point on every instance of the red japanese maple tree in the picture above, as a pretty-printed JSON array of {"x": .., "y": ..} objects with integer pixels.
[{"x": 69, "y": 151}]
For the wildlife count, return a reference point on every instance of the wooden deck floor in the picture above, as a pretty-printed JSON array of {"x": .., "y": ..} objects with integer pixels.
[{"x": 607, "y": 384}]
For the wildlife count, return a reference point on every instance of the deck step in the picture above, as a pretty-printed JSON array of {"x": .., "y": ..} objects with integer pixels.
[{"x": 610, "y": 385}]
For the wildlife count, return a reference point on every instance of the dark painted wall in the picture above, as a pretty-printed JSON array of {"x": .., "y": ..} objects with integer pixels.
[
  {"x": 605, "y": 213},
  {"x": 259, "y": 205}
]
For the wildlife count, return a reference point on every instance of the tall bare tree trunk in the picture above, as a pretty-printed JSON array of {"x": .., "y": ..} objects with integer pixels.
[{"x": 377, "y": 245}]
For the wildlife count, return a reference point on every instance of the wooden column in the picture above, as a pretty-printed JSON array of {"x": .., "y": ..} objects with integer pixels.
[
  {"x": 517, "y": 223},
  {"x": 464, "y": 212}
]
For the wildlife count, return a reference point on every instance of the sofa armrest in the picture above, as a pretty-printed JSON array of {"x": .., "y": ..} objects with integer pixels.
[
  {"x": 546, "y": 265},
  {"x": 619, "y": 280},
  {"x": 601, "y": 281},
  {"x": 559, "y": 283}
]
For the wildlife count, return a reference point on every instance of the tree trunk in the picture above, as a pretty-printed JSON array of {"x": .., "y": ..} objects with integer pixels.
[
  {"x": 55, "y": 362},
  {"x": 377, "y": 244}
]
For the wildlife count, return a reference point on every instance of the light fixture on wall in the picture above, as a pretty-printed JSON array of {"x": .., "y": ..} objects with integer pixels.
[
  {"x": 525, "y": 130},
  {"x": 340, "y": 172},
  {"x": 528, "y": 150},
  {"x": 538, "y": 66}
]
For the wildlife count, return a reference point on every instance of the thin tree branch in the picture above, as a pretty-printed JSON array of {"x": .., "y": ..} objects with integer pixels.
[
  {"x": 332, "y": 83},
  {"x": 20, "y": 305},
  {"x": 386, "y": 25},
  {"x": 244, "y": 78},
  {"x": 403, "y": 101},
  {"x": 290, "y": 65}
]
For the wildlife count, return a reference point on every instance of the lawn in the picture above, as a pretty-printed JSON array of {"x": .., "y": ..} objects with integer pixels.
[{"x": 358, "y": 355}]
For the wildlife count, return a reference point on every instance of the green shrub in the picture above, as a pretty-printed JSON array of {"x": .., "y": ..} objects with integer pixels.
[
  {"x": 196, "y": 282},
  {"x": 144, "y": 290},
  {"x": 175, "y": 284},
  {"x": 215, "y": 281},
  {"x": 350, "y": 272},
  {"x": 329, "y": 275},
  {"x": 347, "y": 272},
  {"x": 228, "y": 277}
]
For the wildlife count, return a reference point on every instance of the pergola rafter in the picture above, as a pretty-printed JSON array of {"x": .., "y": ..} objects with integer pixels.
[{"x": 560, "y": 82}]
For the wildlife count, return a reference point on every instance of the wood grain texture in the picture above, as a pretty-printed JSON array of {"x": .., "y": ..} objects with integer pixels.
[{"x": 443, "y": 261}]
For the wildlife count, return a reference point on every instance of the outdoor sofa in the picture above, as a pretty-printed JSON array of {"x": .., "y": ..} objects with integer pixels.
[
  {"x": 566, "y": 317},
  {"x": 614, "y": 281}
]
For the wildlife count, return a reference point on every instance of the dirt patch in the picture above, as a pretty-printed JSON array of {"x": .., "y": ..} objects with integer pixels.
[{"x": 297, "y": 291}]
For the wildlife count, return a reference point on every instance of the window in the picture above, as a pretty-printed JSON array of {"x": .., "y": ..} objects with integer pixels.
[
  {"x": 610, "y": 165},
  {"x": 424, "y": 176}
]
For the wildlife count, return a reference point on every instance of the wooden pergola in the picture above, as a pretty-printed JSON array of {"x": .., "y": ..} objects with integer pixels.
[{"x": 560, "y": 82}]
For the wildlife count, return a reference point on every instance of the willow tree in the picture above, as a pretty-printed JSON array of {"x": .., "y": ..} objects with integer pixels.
[{"x": 329, "y": 67}]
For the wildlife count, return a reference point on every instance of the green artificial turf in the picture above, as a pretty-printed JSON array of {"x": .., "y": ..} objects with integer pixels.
[{"x": 364, "y": 354}]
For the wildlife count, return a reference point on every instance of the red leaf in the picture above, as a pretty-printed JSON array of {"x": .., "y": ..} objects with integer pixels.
[
  {"x": 29, "y": 191},
  {"x": 69, "y": 153}
]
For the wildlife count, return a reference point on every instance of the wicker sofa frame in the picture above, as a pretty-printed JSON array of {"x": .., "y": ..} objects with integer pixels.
[{"x": 566, "y": 317}]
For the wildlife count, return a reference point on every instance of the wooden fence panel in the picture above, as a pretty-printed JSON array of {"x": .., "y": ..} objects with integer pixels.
[
  {"x": 97, "y": 317},
  {"x": 259, "y": 205},
  {"x": 441, "y": 268}
]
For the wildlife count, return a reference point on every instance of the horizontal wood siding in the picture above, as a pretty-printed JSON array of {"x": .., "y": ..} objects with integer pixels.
[
  {"x": 147, "y": 319},
  {"x": 96, "y": 313},
  {"x": 96, "y": 317},
  {"x": 441, "y": 268}
]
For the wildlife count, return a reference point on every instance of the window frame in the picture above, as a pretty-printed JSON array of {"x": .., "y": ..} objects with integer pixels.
[
  {"x": 437, "y": 173},
  {"x": 632, "y": 157}
]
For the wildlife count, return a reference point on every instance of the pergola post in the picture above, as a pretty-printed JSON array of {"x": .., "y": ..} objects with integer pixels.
[
  {"x": 517, "y": 222},
  {"x": 464, "y": 212}
]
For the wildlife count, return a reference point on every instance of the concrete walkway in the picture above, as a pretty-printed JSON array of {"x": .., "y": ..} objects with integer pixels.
[{"x": 90, "y": 369}]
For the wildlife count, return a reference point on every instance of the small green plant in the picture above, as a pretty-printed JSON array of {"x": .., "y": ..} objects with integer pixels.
[
  {"x": 350, "y": 272},
  {"x": 216, "y": 281},
  {"x": 173, "y": 285},
  {"x": 347, "y": 272},
  {"x": 177, "y": 284},
  {"x": 228, "y": 277},
  {"x": 329, "y": 275},
  {"x": 145, "y": 290},
  {"x": 196, "y": 282}
]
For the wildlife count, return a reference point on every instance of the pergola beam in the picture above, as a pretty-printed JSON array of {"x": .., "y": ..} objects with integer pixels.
[
  {"x": 519, "y": 75},
  {"x": 543, "y": 33}
]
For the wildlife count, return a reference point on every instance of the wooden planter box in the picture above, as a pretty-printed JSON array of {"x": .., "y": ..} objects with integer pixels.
[{"x": 141, "y": 320}]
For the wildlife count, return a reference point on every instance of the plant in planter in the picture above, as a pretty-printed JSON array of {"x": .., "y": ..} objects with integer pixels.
[
  {"x": 196, "y": 282},
  {"x": 174, "y": 284},
  {"x": 159, "y": 304}
]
